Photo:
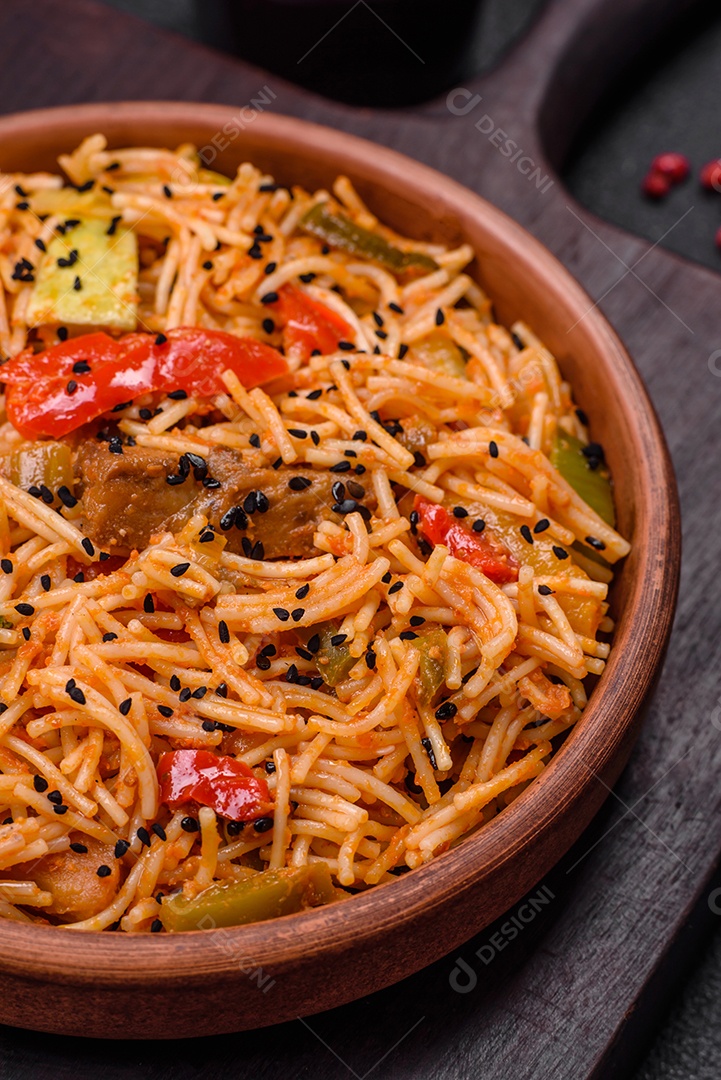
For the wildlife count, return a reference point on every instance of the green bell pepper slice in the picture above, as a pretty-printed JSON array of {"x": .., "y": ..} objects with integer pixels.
[
  {"x": 340, "y": 232},
  {"x": 265, "y": 895},
  {"x": 593, "y": 485}
]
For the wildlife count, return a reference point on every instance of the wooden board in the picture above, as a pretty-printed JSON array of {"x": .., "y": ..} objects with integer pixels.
[{"x": 572, "y": 995}]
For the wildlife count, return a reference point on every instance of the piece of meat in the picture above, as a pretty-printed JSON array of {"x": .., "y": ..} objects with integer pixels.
[
  {"x": 72, "y": 879},
  {"x": 126, "y": 498}
]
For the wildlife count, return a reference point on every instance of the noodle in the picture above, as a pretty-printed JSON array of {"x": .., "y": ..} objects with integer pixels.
[{"x": 388, "y": 663}]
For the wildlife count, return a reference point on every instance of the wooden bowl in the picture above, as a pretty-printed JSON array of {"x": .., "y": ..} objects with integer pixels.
[{"x": 113, "y": 985}]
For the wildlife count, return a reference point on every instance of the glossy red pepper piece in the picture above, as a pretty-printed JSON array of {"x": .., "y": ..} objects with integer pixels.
[
  {"x": 307, "y": 324},
  {"x": 477, "y": 549},
  {"x": 46, "y": 396},
  {"x": 221, "y": 782}
]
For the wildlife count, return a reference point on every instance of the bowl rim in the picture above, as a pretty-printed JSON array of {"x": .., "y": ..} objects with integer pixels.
[{"x": 650, "y": 602}]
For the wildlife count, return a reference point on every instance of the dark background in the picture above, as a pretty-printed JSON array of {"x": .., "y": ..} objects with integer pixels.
[{"x": 670, "y": 102}]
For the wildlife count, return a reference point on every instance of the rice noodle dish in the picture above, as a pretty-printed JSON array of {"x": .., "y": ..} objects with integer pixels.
[{"x": 304, "y": 558}]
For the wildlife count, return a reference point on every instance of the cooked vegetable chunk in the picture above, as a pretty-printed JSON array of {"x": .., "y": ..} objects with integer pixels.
[
  {"x": 339, "y": 231},
  {"x": 88, "y": 278},
  {"x": 72, "y": 879},
  {"x": 584, "y": 469},
  {"x": 263, "y": 896}
]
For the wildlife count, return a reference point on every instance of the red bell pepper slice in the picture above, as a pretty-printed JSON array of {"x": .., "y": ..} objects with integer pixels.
[
  {"x": 308, "y": 324},
  {"x": 221, "y": 782},
  {"x": 478, "y": 549},
  {"x": 47, "y": 394}
]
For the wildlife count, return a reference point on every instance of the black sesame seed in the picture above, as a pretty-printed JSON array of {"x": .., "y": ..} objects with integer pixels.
[
  {"x": 596, "y": 543},
  {"x": 185, "y": 695},
  {"x": 261, "y": 502},
  {"x": 346, "y": 346},
  {"x": 179, "y": 569},
  {"x": 223, "y": 632},
  {"x": 146, "y": 414},
  {"x": 340, "y": 467},
  {"x": 541, "y": 525},
  {"x": 395, "y": 587},
  {"x": 62, "y": 333},
  {"x": 338, "y": 639},
  {"x": 446, "y": 711},
  {"x": 262, "y": 662},
  {"x": 55, "y": 797},
  {"x": 7, "y": 566},
  {"x": 254, "y": 440},
  {"x": 297, "y": 614},
  {"x": 407, "y": 635},
  {"x": 493, "y": 449},
  {"x": 478, "y": 525},
  {"x": 560, "y": 552},
  {"x": 302, "y": 592},
  {"x": 270, "y": 267},
  {"x": 40, "y": 783},
  {"x": 460, "y": 512},
  {"x": 281, "y": 614},
  {"x": 189, "y": 824},
  {"x": 222, "y": 690},
  {"x": 417, "y": 620},
  {"x": 148, "y": 605},
  {"x": 160, "y": 339},
  {"x": 262, "y": 824},
  {"x": 81, "y": 367},
  {"x": 178, "y": 395},
  {"x": 269, "y": 298},
  {"x": 110, "y": 231},
  {"x": 593, "y": 450},
  {"x": 174, "y": 683},
  {"x": 35, "y": 492},
  {"x": 257, "y": 552},
  {"x": 103, "y": 871},
  {"x": 165, "y": 711},
  {"x": 25, "y": 609},
  {"x": 77, "y": 284},
  {"x": 370, "y": 659},
  {"x": 313, "y": 643},
  {"x": 60, "y": 809},
  {"x": 545, "y": 590},
  {"x": 228, "y": 519},
  {"x": 526, "y": 534},
  {"x": 386, "y": 577},
  {"x": 79, "y": 577},
  {"x": 78, "y": 848},
  {"x": 428, "y": 747},
  {"x": 298, "y": 433},
  {"x": 159, "y": 831},
  {"x": 110, "y": 636},
  {"x": 71, "y": 387},
  {"x": 315, "y": 437},
  {"x": 299, "y": 483},
  {"x": 87, "y": 546}
]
